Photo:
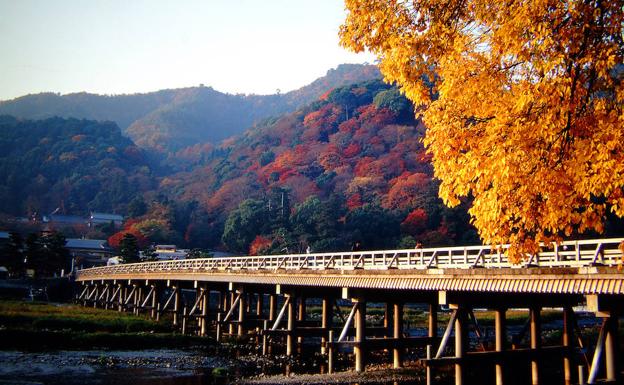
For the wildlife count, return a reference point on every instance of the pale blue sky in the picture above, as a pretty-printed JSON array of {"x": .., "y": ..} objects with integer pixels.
[{"x": 127, "y": 46}]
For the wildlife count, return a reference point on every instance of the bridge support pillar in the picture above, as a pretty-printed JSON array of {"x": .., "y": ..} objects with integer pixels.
[
  {"x": 433, "y": 318},
  {"x": 260, "y": 306},
  {"x": 120, "y": 297},
  {"x": 535, "y": 327},
  {"x": 326, "y": 322},
  {"x": 134, "y": 297},
  {"x": 155, "y": 301},
  {"x": 231, "y": 302},
  {"x": 272, "y": 306},
  {"x": 105, "y": 297},
  {"x": 205, "y": 304},
  {"x": 241, "y": 313},
  {"x": 111, "y": 297},
  {"x": 611, "y": 348},
  {"x": 176, "y": 305},
  {"x": 359, "y": 348},
  {"x": 301, "y": 316},
  {"x": 125, "y": 298},
  {"x": 397, "y": 318},
  {"x": 291, "y": 325},
  {"x": 138, "y": 299},
  {"x": 566, "y": 340},
  {"x": 95, "y": 297},
  {"x": 500, "y": 329},
  {"x": 461, "y": 344}
]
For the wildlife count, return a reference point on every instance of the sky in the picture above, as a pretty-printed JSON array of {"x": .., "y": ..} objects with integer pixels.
[{"x": 129, "y": 46}]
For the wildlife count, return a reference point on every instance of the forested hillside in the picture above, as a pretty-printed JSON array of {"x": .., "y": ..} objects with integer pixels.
[
  {"x": 170, "y": 120},
  {"x": 349, "y": 167},
  {"x": 79, "y": 164}
]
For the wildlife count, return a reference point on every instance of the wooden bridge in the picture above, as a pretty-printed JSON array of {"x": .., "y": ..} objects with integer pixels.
[{"x": 266, "y": 298}]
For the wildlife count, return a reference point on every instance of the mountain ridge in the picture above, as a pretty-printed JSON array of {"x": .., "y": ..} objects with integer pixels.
[{"x": 171, "y": 119}]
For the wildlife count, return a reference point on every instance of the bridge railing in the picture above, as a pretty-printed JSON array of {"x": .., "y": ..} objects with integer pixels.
[{"x": 566, "y": 254}]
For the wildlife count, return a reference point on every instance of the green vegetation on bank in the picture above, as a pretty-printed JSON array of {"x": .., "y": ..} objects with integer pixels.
[{"x": 33, "y": 325}]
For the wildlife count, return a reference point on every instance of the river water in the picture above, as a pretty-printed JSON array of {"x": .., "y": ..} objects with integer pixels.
[
  {"x": 159, "y": 366},
  {"x": 140, "y": 367}
]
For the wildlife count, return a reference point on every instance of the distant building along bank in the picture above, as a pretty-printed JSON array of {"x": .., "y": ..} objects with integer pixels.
[{"x": 97, "y": 218}]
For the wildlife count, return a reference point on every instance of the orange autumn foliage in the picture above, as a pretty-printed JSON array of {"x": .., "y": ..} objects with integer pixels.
[{"x": 524, "y": 104}]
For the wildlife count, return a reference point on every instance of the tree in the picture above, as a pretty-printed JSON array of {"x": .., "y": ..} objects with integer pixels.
[
  {"x": 148, "y": 254},
  {"x": 12, "y": 254},
  {"x": 198, "y": 253},
  {"x": 46, "y": 254},
  {"x": 260, "y": 245},
  {"x": 137, "y": 207},
  {"x": 244, "y": 223},
  {"x": 376, "y": 228},
  {"x": 393, "y": 100},
  {"x": 129, "y": 248},
  {"x": 523, "y": 102},
  {"x": 317, "y": 224}
]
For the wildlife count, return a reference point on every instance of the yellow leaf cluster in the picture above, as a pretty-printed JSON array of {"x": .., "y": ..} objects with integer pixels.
[{"x": 523, "y": 102}]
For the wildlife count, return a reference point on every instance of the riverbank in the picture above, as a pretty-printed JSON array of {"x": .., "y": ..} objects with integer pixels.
[
  {"x": 36, "y": 326},
  {"x": 47, "y": 343},
  {"x": 413, "y": 375}
]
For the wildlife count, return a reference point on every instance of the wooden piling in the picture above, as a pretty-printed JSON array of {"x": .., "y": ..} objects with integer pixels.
[
  {"x": 566, "y": 338},
  {"x": 204, "y": 311},
  {"x": 460, "y": 346},
  {"x": 428, "y": 373},
  {"x": 500, "y": 340},
  {"x": 272, "y": 307},
  {"x": 242, "y": 307},
  {"x": 535, "y": 328},
  {"x": 265, "y": 328},
  {"x": 360, "y": 335},
  {"x": 231, "y": 302},
  {"x": 611, "y": 342},
  {"x": 433, "y": 319},
  {"x": 95, "y": 297},
  {"x": 154, "y": 301},
  {"x": 176, "y": 305},
  {"x": 184, "y": 313},
  {"x": 301, "y": 316},
  {"x": 218, "y": 331},
  {"x": 260, "y": 306},
  {"x": 290, "y": 326},
  {"x": 397, "y": 352},
  {"x": 326, "y": 322},
  {"x": 330, "y": 353}
]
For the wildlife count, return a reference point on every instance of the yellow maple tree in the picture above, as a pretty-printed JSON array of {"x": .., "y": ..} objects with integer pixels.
[{"x": 523, "y": 104}]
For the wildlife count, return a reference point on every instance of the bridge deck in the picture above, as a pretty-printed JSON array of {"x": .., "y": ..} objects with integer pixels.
[{"x": 573, "y": 267}]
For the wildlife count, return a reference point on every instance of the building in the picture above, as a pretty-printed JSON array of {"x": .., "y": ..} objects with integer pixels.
[
  {"x": 4, "y": 237},
  {"x": 165, "y": 252},
  {"x": 64, "y": 220},
  {"x": 104, "y": 218},
  {"x": 88, "y": 252}
]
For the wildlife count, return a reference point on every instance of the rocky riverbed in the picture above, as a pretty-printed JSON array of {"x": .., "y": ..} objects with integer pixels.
[
  {"x": 177, "y": 367},
  {"x": 136, "y": 367}
]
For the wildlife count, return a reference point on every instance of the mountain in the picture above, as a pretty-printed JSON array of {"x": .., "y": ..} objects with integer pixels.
[
  {"x": 121, "y": 109},
  {"x": 350, "y": 166},
  {"x": 81, "y": 165},
  {"x": 169, "y": 120}
]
